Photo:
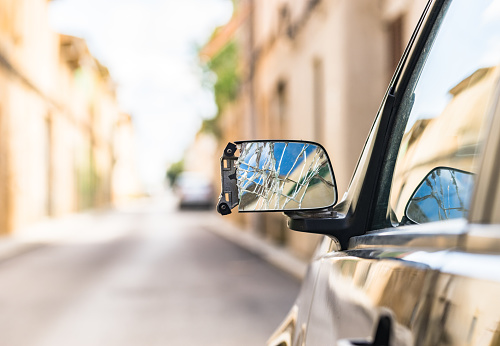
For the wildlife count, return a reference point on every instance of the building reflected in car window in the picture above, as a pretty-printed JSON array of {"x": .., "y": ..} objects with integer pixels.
[{"x": 447, "y": 101}]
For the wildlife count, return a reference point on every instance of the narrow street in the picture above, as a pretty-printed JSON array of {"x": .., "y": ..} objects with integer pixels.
[{"x": 141, "y": 275}]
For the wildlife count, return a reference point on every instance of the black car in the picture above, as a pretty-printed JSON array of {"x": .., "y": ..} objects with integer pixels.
[{"x": 411, "y": 254}]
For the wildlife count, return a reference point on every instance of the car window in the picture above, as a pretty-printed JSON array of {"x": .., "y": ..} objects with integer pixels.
[{"x": 443, "y": 113}]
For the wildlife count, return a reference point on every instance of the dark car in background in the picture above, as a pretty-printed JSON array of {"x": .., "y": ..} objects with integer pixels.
[
  {"x": 411, "y": 254},
  {"x": 194, "y": 190}
]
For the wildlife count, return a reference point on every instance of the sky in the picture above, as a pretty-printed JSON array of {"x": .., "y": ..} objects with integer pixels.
[
  {"x": 150, "y": 48},
  {"x": 454, "y": 60}
]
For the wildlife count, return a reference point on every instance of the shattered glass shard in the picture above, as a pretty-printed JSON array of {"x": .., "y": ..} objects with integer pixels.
[
  {"x": 284, "y": 176},
  {"x": 444, "y": 194}
]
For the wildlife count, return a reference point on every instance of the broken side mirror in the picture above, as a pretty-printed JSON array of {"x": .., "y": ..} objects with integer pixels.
[
  {"x": 443, "y": 194},
  {"x": 276, "y": 176}
]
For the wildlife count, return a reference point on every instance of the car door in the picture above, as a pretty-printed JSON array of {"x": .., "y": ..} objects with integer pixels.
[
  {"x": 465, "y": 310},
  {"x": 406, "y": 280}
]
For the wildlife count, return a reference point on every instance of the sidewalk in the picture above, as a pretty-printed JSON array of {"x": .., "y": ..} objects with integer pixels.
[
  {"x": 74, "y": 227},
  {"x": 77, "y": 227},
  {"x": 49, "y": 231}
]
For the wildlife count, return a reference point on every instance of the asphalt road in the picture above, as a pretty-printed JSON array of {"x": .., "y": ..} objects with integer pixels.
[{"x": 141, "y": 275}]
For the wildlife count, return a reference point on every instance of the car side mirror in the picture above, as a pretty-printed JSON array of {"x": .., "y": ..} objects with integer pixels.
[
  {"x": 443, "y": 194},
  {"x": 276, "y": 176}
]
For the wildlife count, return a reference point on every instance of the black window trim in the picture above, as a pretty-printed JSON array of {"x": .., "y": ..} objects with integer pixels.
[
  {"x": 378, "y": 217},
  {"x": 354, "y": 215}
]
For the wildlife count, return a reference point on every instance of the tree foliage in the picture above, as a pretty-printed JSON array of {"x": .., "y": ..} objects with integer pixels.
[
  {"x": 224, "y": 66},
  {"x": 174, "y": 171}
]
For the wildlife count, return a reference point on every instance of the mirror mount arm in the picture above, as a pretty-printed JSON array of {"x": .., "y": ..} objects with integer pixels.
[
  {"x": 327, "y": 222},
  {"x": 228, "y": 198}
]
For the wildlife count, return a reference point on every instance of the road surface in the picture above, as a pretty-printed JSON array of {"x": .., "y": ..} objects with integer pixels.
[{"x": 141, "y": 275}]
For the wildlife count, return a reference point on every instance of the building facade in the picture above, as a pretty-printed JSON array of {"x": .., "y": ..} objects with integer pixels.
[
  {"x": 58, "y": 120},
  {"x": 312, "y": 70}
]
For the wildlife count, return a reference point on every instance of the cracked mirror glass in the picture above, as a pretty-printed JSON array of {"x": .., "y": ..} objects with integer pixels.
[
  {"x": 443, "y": 194},
  {"x": 283, "y": 176}
]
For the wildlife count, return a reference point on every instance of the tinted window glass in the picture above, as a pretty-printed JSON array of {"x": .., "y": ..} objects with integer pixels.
[{"x": 446, "y": 104}]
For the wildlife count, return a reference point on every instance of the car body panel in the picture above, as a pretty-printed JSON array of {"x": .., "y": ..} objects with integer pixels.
[
  {"x": 353, "y": 293},
  {"x": 383, "y": 274},
  {"x": 292, "y": 330}
]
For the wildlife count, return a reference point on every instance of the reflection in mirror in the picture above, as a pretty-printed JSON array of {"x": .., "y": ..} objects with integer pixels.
[
  {"x": 443, "y": 194},
  {"x": 284, "y": 176}
]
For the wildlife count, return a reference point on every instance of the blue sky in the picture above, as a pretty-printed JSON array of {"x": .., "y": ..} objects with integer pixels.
[{"x": 150, "y": 47}]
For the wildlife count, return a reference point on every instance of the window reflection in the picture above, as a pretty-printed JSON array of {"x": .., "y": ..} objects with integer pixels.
[{"x": 448, "y": 105}]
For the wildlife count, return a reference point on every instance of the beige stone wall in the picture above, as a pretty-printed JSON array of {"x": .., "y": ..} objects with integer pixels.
[
  {"x": 324, "y": 81},
  {"x": 320, "y": 71},
  {"x": 125, "y": 182},
  {"x": 344, "y": 43},
  {"x": 58, "y": 119}
]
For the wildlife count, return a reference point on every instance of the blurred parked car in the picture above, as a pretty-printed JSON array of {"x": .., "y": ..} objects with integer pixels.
[
  {"x": 194, "y": 191},
  {"x": 411, "y": 254}
]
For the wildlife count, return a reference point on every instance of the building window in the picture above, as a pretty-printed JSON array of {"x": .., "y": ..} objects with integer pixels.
[
  {"x": 396, "y": 42},
  {"x": 49, "y": 162},
  {"x": 318, "y": 100},
  {"x": 281, "y": 109}
]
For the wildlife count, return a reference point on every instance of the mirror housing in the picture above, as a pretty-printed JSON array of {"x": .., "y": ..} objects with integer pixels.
[
  {"x": 228, "y": 198},
  {"x": 283, "y": 176}
]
